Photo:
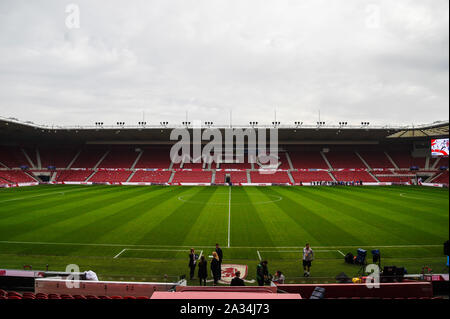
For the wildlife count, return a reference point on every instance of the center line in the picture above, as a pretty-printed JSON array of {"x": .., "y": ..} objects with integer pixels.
[{"x": 229, "y": 216}]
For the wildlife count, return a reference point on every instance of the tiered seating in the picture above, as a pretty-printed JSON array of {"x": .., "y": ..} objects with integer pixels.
[
  {"x": 441, "y": 162},
  {"x": 31, "y": 152},
  {"x": 122, "y": 157},
  {"x": 73, "y": 175},
  {"x": 274, "y": 177},
  {"x": 191, "y": 166},
  {"x": 192, "y": 177},
  {"x": 395, "y": 179},
  {"x": 376, "y": 159},
  {"x": 110, "y": 177},
  {"x": 442, "y": 179},
  {"x": 158, "y": 177},
  {"x": 403, "y": 159},
  {"x": 307, "y": 159},
  {"x": 277, "y": 163},
  {"x": 12, "y": 157},
  {"x": 308, "y": 177},
  {"x": 154, "y": 158},
  {"x": 284, "y": 161},
  {"x": 60, "y": 157},
  {"x": 236, "y": 166},
  {"x": 89, "y": 157},
  {"x": 349, "y": 176},
  {"x": 16, "y": 176},
  {"x": 236, "y": 177},
  {"x": 344, "y": 159}
]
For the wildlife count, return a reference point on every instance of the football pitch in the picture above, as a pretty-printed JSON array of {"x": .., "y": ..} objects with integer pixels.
[{"x": 144, "y": 233}]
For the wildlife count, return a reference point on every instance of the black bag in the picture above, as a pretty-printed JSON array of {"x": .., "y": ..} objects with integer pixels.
[{"x": 349, "y": 258}]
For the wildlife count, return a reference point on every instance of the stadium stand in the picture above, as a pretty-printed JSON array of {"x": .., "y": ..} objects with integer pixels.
[
  {"x": 403, "y": 159},
  {"x": 154, "y": 157},
  {"x": 235, "y": 166},
  {"x": 192, "y": 177},
  {"x": 270, "y": 177},
  {"x": 442, "y": 178},
  {"x": 309, "y": 165},
  {"x": 13, "y": 157},
  {"x": 311, "y": 176},
  {"x": 307, "y": 159},
  {"x": 89, "y": 157},
  {"x": 59, "y": 157},
  {"x": 16, "y": 177},
  {"x": 157, "y": 177},
  {"x": 119, "y": 157},
  {"x": 191, "y": 166},
  {"x": 73, "y": 175},
  {"x": 110, "y": 177},
  {"x": 352, "y": 176},
  {"x": 376, "y": 159},
  {"x": 344, "y": 159},
  {"x": 236, "y": 177}
]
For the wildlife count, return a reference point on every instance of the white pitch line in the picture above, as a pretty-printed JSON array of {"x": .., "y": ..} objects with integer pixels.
[
  {"x": 229, "y": 217},
  {"x": 341, "y": 253},
  {"x": 199, "y": 246},
  {"x": 117, "y": 256},
  {"x": 259, "y": 255},
  {"x": 152, "y": 249}
]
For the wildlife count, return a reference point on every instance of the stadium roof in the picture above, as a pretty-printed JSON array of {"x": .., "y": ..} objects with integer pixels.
[{"x": 13, "y": 131}]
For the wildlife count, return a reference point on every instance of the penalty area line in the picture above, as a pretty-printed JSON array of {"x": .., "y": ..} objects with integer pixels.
[{"x": 117, "y": 256}]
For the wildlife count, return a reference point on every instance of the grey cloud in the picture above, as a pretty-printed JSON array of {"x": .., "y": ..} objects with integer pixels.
[{"x": 212, "y": 56}]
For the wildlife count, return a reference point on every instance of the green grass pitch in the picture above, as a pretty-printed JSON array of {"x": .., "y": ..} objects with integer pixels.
[{"x": 143, "y": 233}]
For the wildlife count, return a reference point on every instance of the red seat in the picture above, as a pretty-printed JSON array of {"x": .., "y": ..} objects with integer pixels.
[
  {"x": 129, "y": 297},
  {"x": 142, "y": 297},
  {"x": 116, "y": 297},
  {"x": 13, "y": 293},
  {"x": 104, "y": 297},
  {"x": 14, "y": 297},
  {"x": 79, "y": 297}
]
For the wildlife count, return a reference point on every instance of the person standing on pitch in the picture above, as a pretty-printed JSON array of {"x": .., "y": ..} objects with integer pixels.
[
  {"x": 215, "y": 268},
  {"x": 192, "y": 262},
  {"x": 202, "y": 271},
  {"x": 262, "y": 273},
  {"x": 220, "y": 255},
  {"x": 308, "y": 257}
]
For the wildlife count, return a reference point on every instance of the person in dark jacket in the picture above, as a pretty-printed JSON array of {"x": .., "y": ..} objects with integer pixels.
[
  {"x": 192, "y": 262},
  {"x": 215, "y": 268},
  {"x": 202, "y": 271},
  {"x": 220, "y": 255},
  {"x": 262, "y": 273},
  {"x": 237, "y": 281}
]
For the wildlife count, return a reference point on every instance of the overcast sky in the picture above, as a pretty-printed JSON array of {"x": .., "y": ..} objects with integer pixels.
[{"x": 386, "y": 62}]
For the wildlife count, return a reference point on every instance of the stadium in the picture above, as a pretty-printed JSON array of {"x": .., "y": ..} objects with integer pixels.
[
  {"x": 224, "y": 158},
  {"x": 110, "y": 200}
]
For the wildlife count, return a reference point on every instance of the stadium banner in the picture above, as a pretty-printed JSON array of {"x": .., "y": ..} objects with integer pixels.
[{"x": 229, "y": 272}]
